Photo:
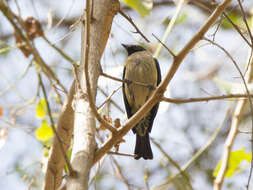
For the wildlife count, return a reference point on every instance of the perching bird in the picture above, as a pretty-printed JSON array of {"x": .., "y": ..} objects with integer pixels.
[{"x": 140, "y": 66}]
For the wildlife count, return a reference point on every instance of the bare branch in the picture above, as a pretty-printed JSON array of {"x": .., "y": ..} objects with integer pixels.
[
  {"x": 111, "y": 101},
  {"x": 158, "y": 94},
  {"x": 175, "y": 164},
  {"x": 45, "y": 68},
  {"x": 204, "y": 99},
  {"x": 132, "y": 22},
  {"x": 72, "y": 172},
  {"x": 235, "y": 123},
  {"x": 126, "y": 81},
  {"x": 53, "y": 176},
  {"x": 108, "y": 98},
  {"x": 197, "y": 154},
  {"x": 171, "y": 53}
]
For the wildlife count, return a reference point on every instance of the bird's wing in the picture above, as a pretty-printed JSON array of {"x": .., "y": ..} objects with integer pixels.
[
  {"x": 159, "y": 77},
  {"x": 153, "y": 111},
  {"x": 127, "y": 106}
]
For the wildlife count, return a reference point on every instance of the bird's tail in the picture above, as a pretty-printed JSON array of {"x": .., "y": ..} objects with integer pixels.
[{"x": 142, "y": 147}]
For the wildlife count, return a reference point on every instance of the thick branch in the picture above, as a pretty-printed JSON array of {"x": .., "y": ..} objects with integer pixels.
[
  {"x": 94, "y": 37},
  {"x": 53, "y": 176}
]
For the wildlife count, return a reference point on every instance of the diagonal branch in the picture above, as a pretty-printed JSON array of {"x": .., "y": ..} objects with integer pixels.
[
  {"x": 235, "y": 122},
  {"x": 55, "y": 164},
  {"x": 132, "y": 22},
  {"x": 45, "y": 68},
  {"x": 158, "y": 94},
  {"x": 54, "y": 129}
]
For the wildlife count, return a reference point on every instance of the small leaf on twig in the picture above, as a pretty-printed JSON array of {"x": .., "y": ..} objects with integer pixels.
[
  {"x": 45, "y": 132},
  {"x": 33, "y": 27},
  {"x": 236, "y": 157},
  {"x": 117, "y": 125},
  {"x": 1, "y": 111},
  {"x": 3, "y": 136},
  {"x": 143, "y": 7},
  {"x": 41, "y": 109},
  {"x": 108, "y": 120}
]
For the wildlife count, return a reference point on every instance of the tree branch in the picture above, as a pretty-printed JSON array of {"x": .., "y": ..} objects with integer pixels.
[
  {"x": 94, "y": 37},
  {"x": 55, "y": 164},
  {"x": 132, "y": 22},
  {"x": 204, "y": 99},
  {"x": 158, "y": 94}
]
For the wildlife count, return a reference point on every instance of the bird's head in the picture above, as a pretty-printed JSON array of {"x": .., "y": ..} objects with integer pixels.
[{"x": 132, "y": 48}]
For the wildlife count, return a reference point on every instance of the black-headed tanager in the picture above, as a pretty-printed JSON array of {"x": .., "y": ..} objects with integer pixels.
[{"x": 140, "y": 66}]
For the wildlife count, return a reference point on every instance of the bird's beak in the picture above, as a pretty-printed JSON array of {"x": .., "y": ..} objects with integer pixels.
[{"x": 125, "y": 46}]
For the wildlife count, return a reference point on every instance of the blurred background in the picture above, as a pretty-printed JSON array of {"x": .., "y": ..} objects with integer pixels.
[{"x": 179, "y": 130}]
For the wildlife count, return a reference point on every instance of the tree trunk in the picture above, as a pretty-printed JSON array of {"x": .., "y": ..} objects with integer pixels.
[{"x": 84, "y": 125}]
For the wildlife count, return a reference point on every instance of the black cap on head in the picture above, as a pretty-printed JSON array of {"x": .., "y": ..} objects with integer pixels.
[{"x": 132, "y": 48}]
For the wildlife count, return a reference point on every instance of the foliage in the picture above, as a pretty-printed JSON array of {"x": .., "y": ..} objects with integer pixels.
[
  {"x": 142, "y": 6},
  {"x": 236, "y": 157}
]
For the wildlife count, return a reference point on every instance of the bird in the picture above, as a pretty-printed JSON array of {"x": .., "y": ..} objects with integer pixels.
[{"x": 140, "y": 66}]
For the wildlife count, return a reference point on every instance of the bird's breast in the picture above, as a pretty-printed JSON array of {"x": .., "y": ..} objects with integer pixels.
[{"x": 140, "y": 68}]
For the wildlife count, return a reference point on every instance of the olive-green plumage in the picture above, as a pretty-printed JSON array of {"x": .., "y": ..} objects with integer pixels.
[{"x": 140, "y": 67}]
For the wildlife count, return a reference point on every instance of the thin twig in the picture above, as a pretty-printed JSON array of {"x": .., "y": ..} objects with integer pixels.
[
  {"x": 45, "y": 68},
  {"x": 111, "y": 101},
  {"x": 183, "y": 173},
  {"x": 131, "y": 21},
  {"x": 249, "y": 80},
  {"x": 233, "y": 131},
  {"x": 125, "y": 81},
  {"x": 171, "y": 53},
  {"x": 121, "y": 154},
  {"x": 204, "y": 99},
  {"x": 99, "y": 165},
  {"x": 237, "y": 28},
  {"x": 158, "y": 93},
  {"x": 63, "y": 54},
  {"x": 120, "y": 173},
  {"x": 108, "y": 98},
  {"x": 198, "y": 153},
  {"x": 245, "y": 21},
  {"x": 249, "y": 32},
  {"x": 169, "y": 27},
  {"x": 72, "y": 172}
]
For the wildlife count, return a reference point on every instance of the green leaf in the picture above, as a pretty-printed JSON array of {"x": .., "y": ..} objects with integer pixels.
[
  {"x": 69, "y": 157},
  {"x": 229, "y": 87},
  {"x": 41, "y": 109},
  {"x": 142, "y": 6},
  {"x": 182, "y": 18},
  {"x": 45, "y": 132},
  {"x": 236, "y": 19},
  {"x": 236, "y": 157}
]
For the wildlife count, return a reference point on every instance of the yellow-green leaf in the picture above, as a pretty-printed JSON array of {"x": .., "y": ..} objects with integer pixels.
[
  {"x": 46, "y": 152},
  {"x": 45, "y": 132},
  {"x": 229, "y": 87},
  {"x": 69, "y": 156},
  {"x": 142, "y": 6},
  {"x": 236, "y": 19},
  {"x": 236, "y": 157},
  {"x": 41, "y": 109}
]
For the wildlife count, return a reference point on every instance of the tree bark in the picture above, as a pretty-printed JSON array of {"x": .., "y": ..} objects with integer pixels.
[
  {"x": 55, "y": 164},
  {"x": 103, "y": 12}
]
